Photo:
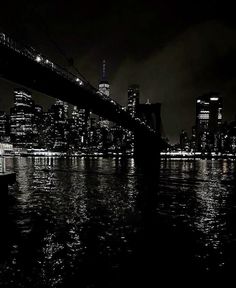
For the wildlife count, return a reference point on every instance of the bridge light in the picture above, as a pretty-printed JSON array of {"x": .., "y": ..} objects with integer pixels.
[
  {"x": 38, "y": 58},
  {"x": 79, "y": 81}
]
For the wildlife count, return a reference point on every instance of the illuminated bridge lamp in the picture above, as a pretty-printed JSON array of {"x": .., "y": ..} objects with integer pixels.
[
  {"x": 78, "y": 80},
  {"x": 38, "y": 59}
]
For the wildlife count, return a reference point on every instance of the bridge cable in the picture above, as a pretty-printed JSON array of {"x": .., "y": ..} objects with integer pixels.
[{"x": 44, "y": 28}]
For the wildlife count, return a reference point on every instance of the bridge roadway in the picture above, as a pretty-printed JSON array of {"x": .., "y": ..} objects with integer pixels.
[{"x": 28, "y": 67}]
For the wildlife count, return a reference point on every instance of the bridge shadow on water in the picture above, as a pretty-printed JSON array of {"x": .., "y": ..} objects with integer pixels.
[{"x": 162, "y": 254}]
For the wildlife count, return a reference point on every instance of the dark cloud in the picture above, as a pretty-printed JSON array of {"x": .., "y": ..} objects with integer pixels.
[{"x": 174, "y": 50}]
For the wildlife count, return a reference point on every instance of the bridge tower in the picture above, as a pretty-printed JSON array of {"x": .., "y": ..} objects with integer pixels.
[{"x": 148, "y": 146}]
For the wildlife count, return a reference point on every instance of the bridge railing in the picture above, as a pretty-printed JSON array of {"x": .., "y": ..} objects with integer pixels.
[{"x": 34, "y": 55}]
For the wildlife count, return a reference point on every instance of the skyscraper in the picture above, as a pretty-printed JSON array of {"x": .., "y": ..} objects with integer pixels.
[
  {"x": 48, "y": 130},
  {"x": 208, "y": 120},
  {"x": 60, "y": 125},
  {"x": 184, "y": 141},
  {"x": 73, "y": 124},
  {"x": 38, "y": 126},
  {"x": 133, "y": 98},
  {"x": 193, "y": 140},
  {"x": 83, "y": 116},
  {"x": 104, "y": 125},
  {"x": 21, "y": 118},
  {"x": 64, "y": 105},
  {"x": 104, "y": 86},
  {"x": 93, "y": 133},
  {"x": 4, "y": 127}
]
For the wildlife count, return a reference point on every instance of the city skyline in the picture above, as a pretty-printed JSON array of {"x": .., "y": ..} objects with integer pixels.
[
  {"x": 172, "y": 62},
  {"x": 38, "y": 100},
  {"x": 28, "y": 126},
  {"x": 117, "y": 143},
  {"x": 79, "y": 130}
]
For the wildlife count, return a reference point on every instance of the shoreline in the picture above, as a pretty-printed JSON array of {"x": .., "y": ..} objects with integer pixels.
[{"x": 162, "y": 157}]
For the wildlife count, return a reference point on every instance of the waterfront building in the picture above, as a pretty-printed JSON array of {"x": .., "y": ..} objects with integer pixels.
[
  {"x": 21, "y": 119},
  {"x": 83, "y": 119},
  {"x": 208, "y": 121},
  {"x": 38, "y": 126},
  {"x": 48, "y": 130},
  {"x": 228, "y": 137},
  {"x": 119, "y": 139},
  {"x": 6, "y": 148},
  {"x": 184, "y": 141},
  {"x": 94, "y": 137},
  {"x": 73, "y": 125},
  {"x": 104, "y": 128},
  {"x": 60, "y": 125},
  {"x": 4, "y": 127},
  {"x": 193, "y": 140}
]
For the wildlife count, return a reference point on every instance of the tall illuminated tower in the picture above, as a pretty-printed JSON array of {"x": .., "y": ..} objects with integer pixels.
[{"x": 104, "y": 86}]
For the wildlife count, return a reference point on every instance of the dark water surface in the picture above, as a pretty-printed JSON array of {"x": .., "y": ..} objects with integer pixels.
[{"x": 107, "y": 223}]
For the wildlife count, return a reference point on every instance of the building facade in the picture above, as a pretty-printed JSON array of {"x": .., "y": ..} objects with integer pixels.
[
  {"x": 4, "y": 127},
  {"x": 208, "y": 121},
  {"x": 21, "y": 119},
  {"x": 133, "y": 98},
  {"x": 60, "y": 125}
]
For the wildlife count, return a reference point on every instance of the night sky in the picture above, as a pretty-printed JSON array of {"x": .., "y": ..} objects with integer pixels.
[{"x": 175, "y": 51}]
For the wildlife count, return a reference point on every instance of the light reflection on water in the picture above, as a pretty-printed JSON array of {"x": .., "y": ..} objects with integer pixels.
[
  {"x": 67, "y": 209},
  {"x": 74, "y": 215},
  {"x": 200, "y": 194}
]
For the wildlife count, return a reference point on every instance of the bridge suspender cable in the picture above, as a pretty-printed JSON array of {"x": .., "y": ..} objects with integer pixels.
[{"x": 44, "y": 28}]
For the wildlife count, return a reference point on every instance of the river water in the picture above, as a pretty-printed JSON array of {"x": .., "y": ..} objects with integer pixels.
[{"x": 108, "y": 223}]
